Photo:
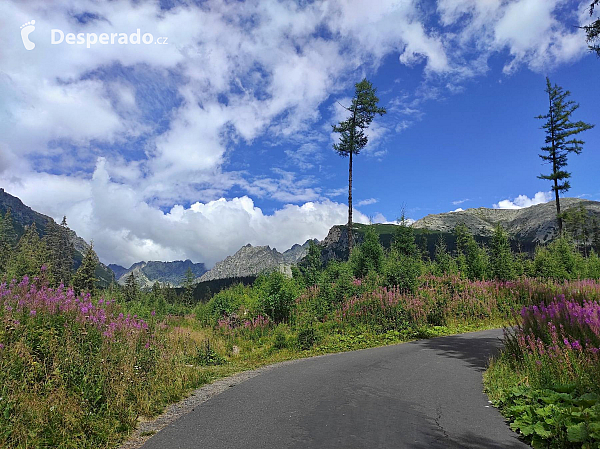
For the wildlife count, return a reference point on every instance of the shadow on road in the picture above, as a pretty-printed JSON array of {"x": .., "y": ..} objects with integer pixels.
[
  {"x": 471, "y": 441},
  {"x": 475, "y": 351}
]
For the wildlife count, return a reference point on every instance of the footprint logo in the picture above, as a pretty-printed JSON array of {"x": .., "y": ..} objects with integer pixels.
[{"x": 26, "y": 30}]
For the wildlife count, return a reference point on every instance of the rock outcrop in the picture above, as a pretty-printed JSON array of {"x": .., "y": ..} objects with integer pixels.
[
  {"x": 531, "y": 225},
  {"x": 165, "y": 273},
  {"x": 254, "y": 260}
]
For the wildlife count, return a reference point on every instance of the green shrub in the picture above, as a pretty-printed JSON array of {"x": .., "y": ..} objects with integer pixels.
[
  {"x": 206, "y": 355},
  {"x": 307, "y": 337},
  {"x": 502, "y": 264},
  {"x": 236, "y": 299},
  {"x": 402, "y": 271},
  {"x": 367, "y": 257},
  {"x": 277, "y": 295},
  {"x": 279, "y": 339}
]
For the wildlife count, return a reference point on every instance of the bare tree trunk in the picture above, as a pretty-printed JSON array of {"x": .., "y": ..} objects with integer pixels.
[
  {"x": 350, "y": 207},
  {"x": 558, "y": 217}
]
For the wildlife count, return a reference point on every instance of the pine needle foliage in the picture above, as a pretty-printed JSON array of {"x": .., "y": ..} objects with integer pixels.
[{"x": 560, "y": 140}]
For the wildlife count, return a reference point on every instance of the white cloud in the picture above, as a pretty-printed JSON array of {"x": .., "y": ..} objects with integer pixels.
[
  {"x": 126, "y": 229},
  {"x": 522, "y": 201},
  {"x": 459, "y": 209},
  {"x": 366, "y": 202},
  {"x": 528, "y": 29},
  {"x": 239, "y": 71},
  {"x": 457, "y": 202}
]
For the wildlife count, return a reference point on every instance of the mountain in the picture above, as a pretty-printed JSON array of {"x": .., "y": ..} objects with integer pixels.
[
  {"x": 23, "y": 215},
  {"x": 253, "y": 260},
  {"x": 117, "y": 269},
  {"x": 147, "y": 273},
  {"x": 529, "y": 226}
]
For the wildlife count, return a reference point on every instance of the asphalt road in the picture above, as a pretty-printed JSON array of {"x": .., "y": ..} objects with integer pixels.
[{"x": 424, "y": 394}]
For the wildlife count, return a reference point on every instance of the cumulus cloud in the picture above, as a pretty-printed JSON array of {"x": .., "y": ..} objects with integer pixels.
[
  {"x": 522, "y": 201},
  {"x": 528, "y": 29},
  {"x": 165, "y": 119},
  {"x": 126, "y": 229}
]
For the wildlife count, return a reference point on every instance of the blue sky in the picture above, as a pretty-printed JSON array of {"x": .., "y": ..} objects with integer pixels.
[{"x": 222, "y": 136}]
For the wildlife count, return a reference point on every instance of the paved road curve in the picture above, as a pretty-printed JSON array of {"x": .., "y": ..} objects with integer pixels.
[{"x": 424, "y": 394}]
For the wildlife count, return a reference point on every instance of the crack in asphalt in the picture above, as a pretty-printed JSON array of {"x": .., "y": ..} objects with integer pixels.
[{"x": 437, "y": 422}]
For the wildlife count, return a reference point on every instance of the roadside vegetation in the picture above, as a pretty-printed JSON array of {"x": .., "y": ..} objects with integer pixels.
[{"x": 80, "y": 366}]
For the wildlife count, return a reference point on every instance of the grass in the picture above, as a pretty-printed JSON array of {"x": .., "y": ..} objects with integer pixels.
[{"x": 80, "y": 372}]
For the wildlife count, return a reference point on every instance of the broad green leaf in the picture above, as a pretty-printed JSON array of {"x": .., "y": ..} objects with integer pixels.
[
  {"x": 540, "y": 430},
  {"x": 577, "y": 433}
]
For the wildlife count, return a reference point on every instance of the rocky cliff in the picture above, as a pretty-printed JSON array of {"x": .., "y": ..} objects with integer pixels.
[
  {"x": 254, "y": 260},
  {"x": 147, "y": 273},
  {"x": 532, "y": 225}
]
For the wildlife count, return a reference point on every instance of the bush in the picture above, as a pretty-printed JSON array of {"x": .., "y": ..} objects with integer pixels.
[
  {"x": 277, "y": 295},
  {"x": 402, "y": 271},
  {"x": 367, "y": 257},
  {"x": 238, "y": 299},
  {"x": 279, "y": 339},
  {"x": 75, "y": 372},
  {"x": 307, "y": 337}
]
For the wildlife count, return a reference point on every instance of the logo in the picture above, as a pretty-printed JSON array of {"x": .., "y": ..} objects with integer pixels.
[{"x": 26, "y": 30}]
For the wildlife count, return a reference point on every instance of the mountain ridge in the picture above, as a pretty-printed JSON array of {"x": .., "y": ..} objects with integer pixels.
[
  {"x": 23, "y": 215},
  {"x": 536, "y": 224},
  {"x": 253, "y": 260},
  {"x": 147, "y": 273}
]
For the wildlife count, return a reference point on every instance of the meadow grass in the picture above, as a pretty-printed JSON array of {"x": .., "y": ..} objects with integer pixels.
[{"x": 80, "y": 372}]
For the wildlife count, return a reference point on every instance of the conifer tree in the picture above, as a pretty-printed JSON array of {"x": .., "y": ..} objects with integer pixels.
[
  {"x": 84, "y": 279},
  {"x": 30, "y": 255},
  {"x": 352, "y": 134},
  {"x": 592, "y": 30},
  {"x": 8, "y": 240},
  {"x": 156, "y": 290},
  {"x": 579, "y": 226},
  {"x": 312, "y": 265},
  {"x": 596, "y": 236},
  {"x": 188, "y": 285},
  {"x": 560, "y": 141},
  {"x": 444, "y": 262},
  {"x": 502, "y": 260},
  {"x": 61, "y": 251},
  {"x": 404, "y": 239},
  {"x": 472, "y": 259},
  {"x": 131, "y": 288},
  {"x": 369, "y": 255}
]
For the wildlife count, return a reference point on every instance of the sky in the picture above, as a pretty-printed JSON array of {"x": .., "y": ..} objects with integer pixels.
[{"x": 218, "y": 131}]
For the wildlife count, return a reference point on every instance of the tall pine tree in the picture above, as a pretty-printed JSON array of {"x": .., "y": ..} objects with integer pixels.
[
  {"x": 592, "y": 30},
  {"x": 188, "y": 287},
  {"x": 61, "y": 251},
  {"x": 352, "y": 134},
  {"x": 84, "y": 279},
  {"x": 502, "y": 260},
  {"x": 8, "y": 240},
  {"x": 131, "y": 288},
  {"x": 560, "y": 141},
  {"x": 30, "y": 255}
]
